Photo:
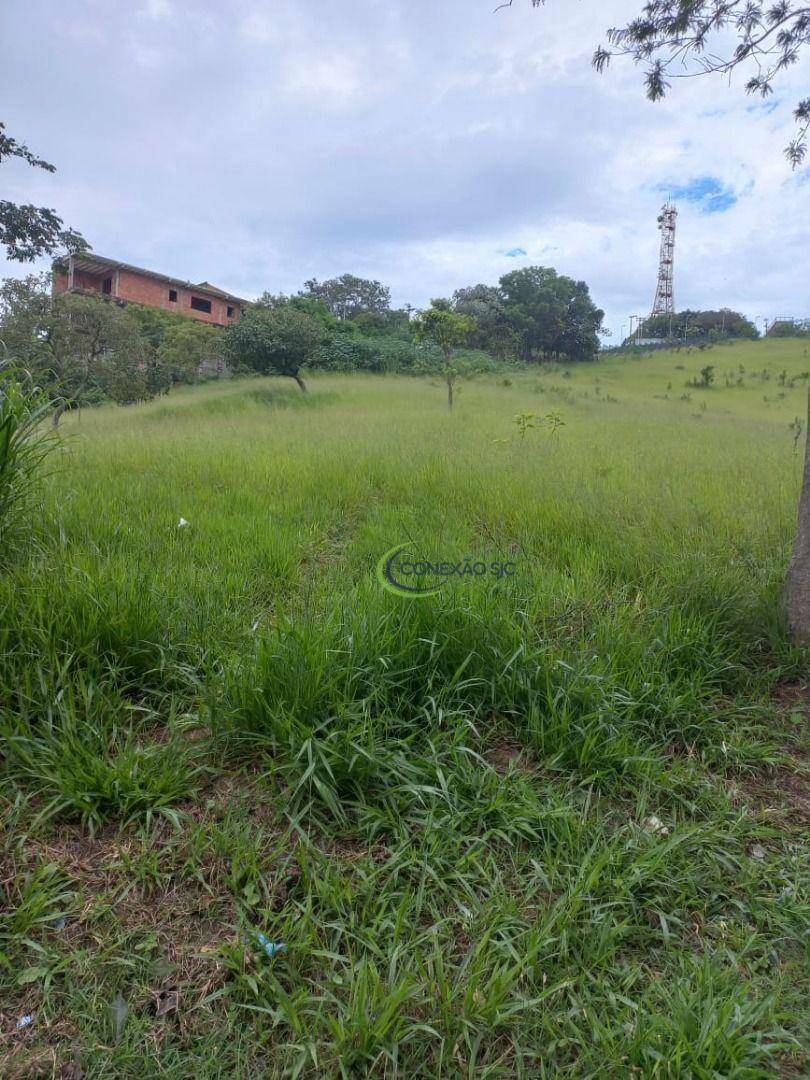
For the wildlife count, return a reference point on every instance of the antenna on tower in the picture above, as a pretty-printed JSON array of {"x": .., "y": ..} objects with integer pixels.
[{"x": 664, "y": 303}]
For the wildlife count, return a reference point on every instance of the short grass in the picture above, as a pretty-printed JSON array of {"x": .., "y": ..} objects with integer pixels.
[{"x": 546, "y": 825}]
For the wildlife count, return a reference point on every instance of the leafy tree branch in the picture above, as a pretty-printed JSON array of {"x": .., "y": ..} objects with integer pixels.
[{"x": 681, "y": 39}]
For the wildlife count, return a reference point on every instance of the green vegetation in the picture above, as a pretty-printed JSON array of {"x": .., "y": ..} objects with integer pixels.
[
  {"x": 28, "y": 232},
  {"x": 694, "y": 327},
  {"x": 447, "y": 330},
  {"x": 85, "y": 350},
  {"x": 188, "y": 349},
  {"x": 24, "y": 445},
  {"x": 543, "y": 825},
  {"x": 531, "y": 315},
  {"x": 790, "y": 328},
  {"x": 348, "y": 296},
  {"x": 80, "y": 349},
  {"x": 275, "y": 340}
]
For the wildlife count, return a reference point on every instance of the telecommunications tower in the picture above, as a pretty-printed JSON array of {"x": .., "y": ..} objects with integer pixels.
[{"x": 664, "y": 303}]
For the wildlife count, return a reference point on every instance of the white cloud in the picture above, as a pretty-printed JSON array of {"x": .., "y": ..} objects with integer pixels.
[
  {"x": 158, "y": 9},
  {"x": 413, "y": 142},
  {"x": 327, "y": 80}
]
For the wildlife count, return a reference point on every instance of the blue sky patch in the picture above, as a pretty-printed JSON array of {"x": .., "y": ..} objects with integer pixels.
[
  {"x": 711, "y": 195},
  {"x": 764, "y": 108},
  {"x": 514, "y": 253}
]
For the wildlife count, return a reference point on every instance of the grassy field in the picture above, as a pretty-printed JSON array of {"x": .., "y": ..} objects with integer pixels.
[{"x": 551, "y": 824}]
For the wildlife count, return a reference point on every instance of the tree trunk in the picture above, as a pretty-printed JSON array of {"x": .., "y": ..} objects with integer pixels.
[
  {"x": 449, "y": 393},
  {"x": 301, "y": 384},
  {"x": 57, "y": 413},
  {"x": 797, "y": 587}
]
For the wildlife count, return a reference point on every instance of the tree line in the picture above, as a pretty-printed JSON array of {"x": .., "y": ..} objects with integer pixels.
[
  {"x": 85, "y": 349},
  {"x": 696, "y": 326},
  {"x": 347, "y": 323}
]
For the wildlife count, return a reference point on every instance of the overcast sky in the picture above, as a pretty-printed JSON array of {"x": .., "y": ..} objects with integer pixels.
[{"x": 429, "y": 143}]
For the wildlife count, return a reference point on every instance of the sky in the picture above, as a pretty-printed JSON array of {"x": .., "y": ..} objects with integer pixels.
[{"x": 431, "y": 144}]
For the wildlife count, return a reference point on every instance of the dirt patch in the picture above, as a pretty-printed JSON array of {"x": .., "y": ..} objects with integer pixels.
[
  {"x": 794, "y": 695},
  {"x": 187, "y": 920},
  {"x": 785, "y": 789},
  {"x": 506, "y": 755}
]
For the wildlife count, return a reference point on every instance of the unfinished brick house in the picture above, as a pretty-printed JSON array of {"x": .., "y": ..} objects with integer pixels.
[{"x": 121, "y": 283}]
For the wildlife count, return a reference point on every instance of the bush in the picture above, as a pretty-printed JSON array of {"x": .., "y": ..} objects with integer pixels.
[
  {"x": 346, "y": 353},
  {"x": 349, "y": 352},
  {"x": 469, "y": 362},
  {"x": 399, "y": 354}
]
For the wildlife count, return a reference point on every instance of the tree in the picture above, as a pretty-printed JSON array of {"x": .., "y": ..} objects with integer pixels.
[
  {"x": 187, "y": 347},
  {"x": 28, "y": 232},
  {"x": 347, "y": 296},
  {"x": 709, "y": 325},
  {"x": 155, "y": 323},
  {"x": 130, "y": 369},
  {"x": 310, "y": 305},
  {"x": 97, "y": 351},
  {"x": 582, "y": 322},
  {"x": 26, "y": 311},
  {"x": 275, "y": 340},
  {"x": 550, "y": 314},
  {"x": 534, "y": 309},
  {"x": 78, "y": 348},
  {"x": 681, "y": 39},
  {"x": 442, "y": 326},
  {"x": 485, "y": 304},
  {"x": 395, "y": 321}
]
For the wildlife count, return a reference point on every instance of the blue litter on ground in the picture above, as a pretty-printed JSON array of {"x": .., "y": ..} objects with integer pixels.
[{"x": 270, "y": 947}]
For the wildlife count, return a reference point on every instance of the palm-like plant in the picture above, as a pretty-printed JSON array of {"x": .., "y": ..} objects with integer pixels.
[{"x": 25, "y": 441}]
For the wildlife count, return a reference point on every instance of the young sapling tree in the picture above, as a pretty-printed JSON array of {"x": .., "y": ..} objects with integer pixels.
[{"x": 441, "y": 326}]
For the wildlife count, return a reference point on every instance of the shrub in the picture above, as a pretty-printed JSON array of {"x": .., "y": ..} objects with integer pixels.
[
  {"x": 347, "y": 353},
  {"x": 399, "y": 354}
]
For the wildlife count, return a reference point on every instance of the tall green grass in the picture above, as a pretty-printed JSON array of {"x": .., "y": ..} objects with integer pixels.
[
  {"x": 24, "y": 445},
  {"x": 501, "y": 831}
]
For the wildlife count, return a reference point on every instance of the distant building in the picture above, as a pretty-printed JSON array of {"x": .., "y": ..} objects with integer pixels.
[
  {"x": 93, "y": 275},
  {"x": 788, "y": 326}
]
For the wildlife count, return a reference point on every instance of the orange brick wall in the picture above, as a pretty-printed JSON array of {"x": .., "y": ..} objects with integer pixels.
[
  {"x": 80, "y": 281},
  {"x": 142, "y": 289}
]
